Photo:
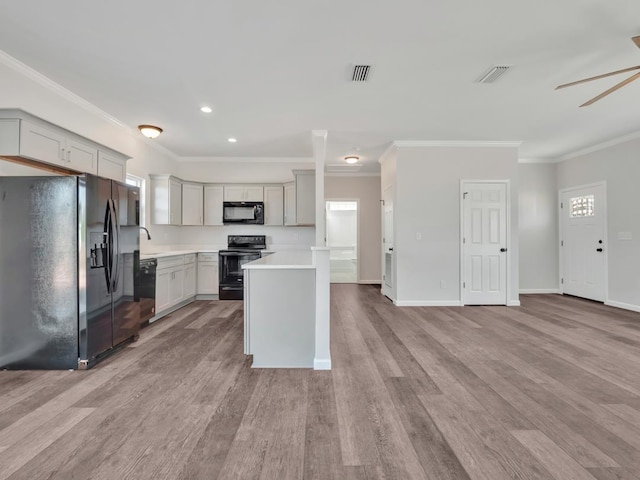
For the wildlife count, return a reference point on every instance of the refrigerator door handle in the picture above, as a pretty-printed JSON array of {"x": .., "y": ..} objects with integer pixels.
[
  {"x": 116, "y": 229},
  {"x": 107, "y": 246}
]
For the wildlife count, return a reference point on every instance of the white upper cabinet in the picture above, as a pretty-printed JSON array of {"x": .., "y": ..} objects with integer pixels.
[
  {"x": 305, "y": 197},
  {"x": 166, "y": 200},
  {"x": 192, "y": 204},
  {"x": 81, "y": 156},
  {"x": 290, "y": 204},
  {"x": 213, "y": 198},
  {"x": 243, "y": 193},
  {"x": 112, "y": 166},
  {"x": 274, "y": 205},
  {"x": 43, "y": 144}
]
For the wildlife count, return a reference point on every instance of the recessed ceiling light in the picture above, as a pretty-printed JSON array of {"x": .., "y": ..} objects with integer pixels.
[
  {"x": 351, "y": 159},
  {"x": 206, "y": 109},
  {"x": 150, "y": 131},
  {"x": 232, "y": 140}
]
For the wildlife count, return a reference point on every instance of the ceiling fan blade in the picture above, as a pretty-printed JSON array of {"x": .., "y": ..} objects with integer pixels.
[
  {"x": 636, "y": 40},
  {"x": 597, "y": 77},
  {"x": 612, "y": 89}
]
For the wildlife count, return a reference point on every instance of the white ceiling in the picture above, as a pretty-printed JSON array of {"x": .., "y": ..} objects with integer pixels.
[{"x": 274, "y": 71}]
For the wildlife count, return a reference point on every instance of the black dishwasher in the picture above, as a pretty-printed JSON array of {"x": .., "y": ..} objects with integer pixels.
[{"x": 146, "y": 290}]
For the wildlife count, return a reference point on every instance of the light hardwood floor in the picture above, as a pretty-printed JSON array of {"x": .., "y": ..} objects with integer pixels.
[{"x": 549, "y": 390}]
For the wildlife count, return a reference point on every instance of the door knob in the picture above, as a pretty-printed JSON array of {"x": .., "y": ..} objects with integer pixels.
[
  {"x": 598, "y": 249},
  {"x": 503, "y": 249}
]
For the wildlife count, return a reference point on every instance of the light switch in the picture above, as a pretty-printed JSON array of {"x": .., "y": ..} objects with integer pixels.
[{"x": 418, "y": 236}]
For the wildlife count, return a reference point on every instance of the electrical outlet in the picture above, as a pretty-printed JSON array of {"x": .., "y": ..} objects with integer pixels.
[
  {"x": 418, "y": 236},
  {"x": 443, "y": 284}
]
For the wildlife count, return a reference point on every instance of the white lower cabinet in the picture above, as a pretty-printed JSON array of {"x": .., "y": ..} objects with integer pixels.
[
  {"x": 170, "y": 282},
  {"x": 189, "y": 290},
  {"x": 208, "y": 274}
]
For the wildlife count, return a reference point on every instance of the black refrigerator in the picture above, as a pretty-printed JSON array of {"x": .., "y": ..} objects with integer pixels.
[{"x": 69, "y": 253}]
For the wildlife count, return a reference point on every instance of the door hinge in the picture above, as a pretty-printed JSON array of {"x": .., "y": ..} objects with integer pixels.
[
  {"x": 464, "y": 240},
  {"x": 562, "y": 281},
  {"x": 464, "y": 284},
  {"x": 562, "y": 243},
  {"x": 561, "y": 205}
]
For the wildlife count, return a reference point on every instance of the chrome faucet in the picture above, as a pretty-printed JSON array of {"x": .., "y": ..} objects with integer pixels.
[{"x": 148, "y": 234}]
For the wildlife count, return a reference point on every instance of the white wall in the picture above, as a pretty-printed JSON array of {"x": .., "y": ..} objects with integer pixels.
[
  {"x": 367, "y": 191},
  {"x": 538, "y": 202},
  {"x": 428, "y": 202},
  {"x": 619, "y": 167}
]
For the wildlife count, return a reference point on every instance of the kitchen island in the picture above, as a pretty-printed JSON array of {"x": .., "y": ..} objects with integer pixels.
[{"x": 286, "y": 310}]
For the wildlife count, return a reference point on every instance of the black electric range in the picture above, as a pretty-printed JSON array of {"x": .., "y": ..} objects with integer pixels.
[{"x": 241, "y": 249}]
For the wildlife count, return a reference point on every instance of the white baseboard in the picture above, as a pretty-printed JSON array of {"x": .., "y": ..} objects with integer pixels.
[
  {"x": 322, "y": 364},
  {"x": 513, "y": 303},
  {"x": 369, "y": 282},
  {"x": 427, "y": 303},
  {"x": 268, "y": 365},
  {"x": 535, "y": 291},
  {"x": 625, "y": 306}
]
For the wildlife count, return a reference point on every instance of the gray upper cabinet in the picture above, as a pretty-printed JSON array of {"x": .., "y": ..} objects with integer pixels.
[
  {"x": 192, "y": 204},
  {"x": 243, "y": 193},
  {"x": 305, "y": 193},
  {"x": 213, "y": 199}
]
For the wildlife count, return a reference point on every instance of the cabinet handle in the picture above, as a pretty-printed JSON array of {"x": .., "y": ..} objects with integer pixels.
[
  {"x": 69, "y": 156},
  {"x": 62, "y": 154}
]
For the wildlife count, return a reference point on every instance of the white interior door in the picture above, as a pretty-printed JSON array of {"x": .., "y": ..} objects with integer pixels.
[
  {"x": 583, "y": 217},
  {"x": 387, "y": 240},
  {"x": 484, "y": 241}
]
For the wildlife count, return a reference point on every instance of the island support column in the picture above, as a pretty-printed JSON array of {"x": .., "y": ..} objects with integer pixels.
[{"x": 322, "y": 357}]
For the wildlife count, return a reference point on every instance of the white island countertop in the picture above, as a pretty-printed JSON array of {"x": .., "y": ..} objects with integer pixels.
[
  {"x": 293, "y": 259},
  {"x": 174, "y": 253}
]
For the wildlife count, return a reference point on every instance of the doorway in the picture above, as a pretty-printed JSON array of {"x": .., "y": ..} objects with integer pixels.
[
  {"x": 342, "y": 240},
  {"x": 583, "y": 254},
  {"x": 485, "y": 238}
]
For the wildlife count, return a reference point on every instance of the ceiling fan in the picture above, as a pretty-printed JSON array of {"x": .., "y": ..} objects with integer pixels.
[{"x": 635, "y": 40}]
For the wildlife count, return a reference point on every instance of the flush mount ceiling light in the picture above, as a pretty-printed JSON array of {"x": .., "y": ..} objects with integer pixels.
[
  {"x": 351, "y": 159},
  {"x": 206, "y": 109},
  {"x": 232, "y": 140},
  {"x": 150, "y": 131}
]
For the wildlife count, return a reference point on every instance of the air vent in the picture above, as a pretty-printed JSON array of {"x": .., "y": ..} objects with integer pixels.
[
  {"x": 342, "y": 168},
  {"x": 361, "y": 73},
  {"x": 493, "y": 74}
]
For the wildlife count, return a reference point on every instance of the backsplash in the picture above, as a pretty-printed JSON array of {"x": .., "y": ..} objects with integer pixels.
[{"x": 278, "y": 238}]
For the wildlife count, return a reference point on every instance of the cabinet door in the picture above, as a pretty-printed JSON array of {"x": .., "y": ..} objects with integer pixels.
[
  {"x": 290, "y": 204},
  {"x": 82, "y": 157},
  {"x": 40, "y": 143},
  {"x": 208, "y": 278},
  {"x": 192, "y": 204},
  {"x": 273, "y": 206},
  {"x": 176, "y": 286},
  {"x": 189, "y": 281},
  {"x": 254, "y": 193},
  {"x": 234, "y": 193},
  {"x": 306, "y": 199},
  {"x": 213, "y": 198},
  {"x": 163, "y": 281},
  {"x": 175, "y": 202},
  {"x": 110, "y": 166}
]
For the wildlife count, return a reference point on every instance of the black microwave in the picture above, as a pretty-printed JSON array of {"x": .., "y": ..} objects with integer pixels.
[{"x": 243, "y": 212}]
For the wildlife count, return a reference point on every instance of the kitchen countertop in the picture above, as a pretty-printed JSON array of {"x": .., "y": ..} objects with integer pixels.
[
  {"x": 174, "y": 253},
  {"x": 295, "y": 259}
]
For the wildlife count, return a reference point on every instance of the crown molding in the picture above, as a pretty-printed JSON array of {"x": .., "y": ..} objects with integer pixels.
[
  {"x": 351, "y": 174},
  {"x": 600, "y": 146},
  {"x": 456, "y": 143},
  {"x": 387, "y": 151},
  {"x": 58, "y": 89},
  {"x": 538, "y": 160},
  {"x": 245, "y": 159}
]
